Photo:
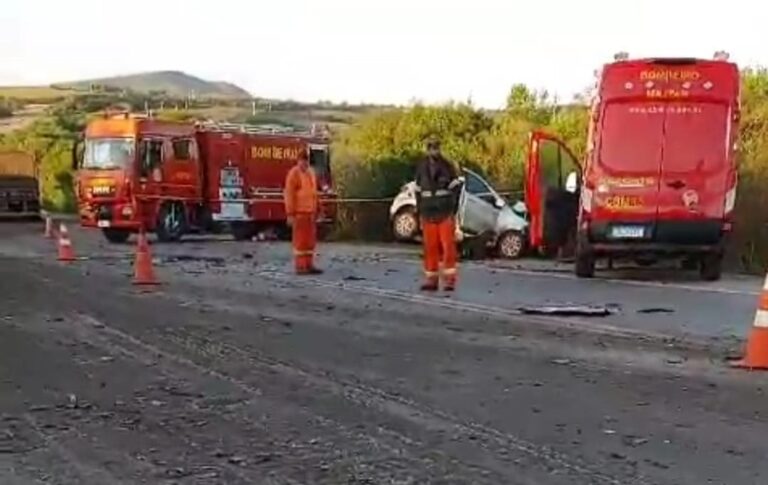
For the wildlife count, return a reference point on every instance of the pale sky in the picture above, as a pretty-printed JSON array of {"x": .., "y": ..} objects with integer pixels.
[{"x": 390, "y": 51}]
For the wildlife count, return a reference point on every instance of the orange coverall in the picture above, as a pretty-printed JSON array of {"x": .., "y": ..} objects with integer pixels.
[
  {"x": 440, "y": 244},
  {"x": 301, "y": 204}
]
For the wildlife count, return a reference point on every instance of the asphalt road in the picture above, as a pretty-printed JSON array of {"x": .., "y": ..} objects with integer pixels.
[{"x": 235, "y": 371}]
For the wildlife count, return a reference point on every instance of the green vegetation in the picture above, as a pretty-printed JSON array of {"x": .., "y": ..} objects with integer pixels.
[
  {"x": 375, "y": 147},
  {"x": 376, "y": 155}
]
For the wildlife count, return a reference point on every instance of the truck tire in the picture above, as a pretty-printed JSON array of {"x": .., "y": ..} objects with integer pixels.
[
  {"x": 243, "y": 231},
  {"x": 511, "y": 245},
  {"x": 711, "y": 268},
  {"x": 405, "y": 224},
  {"x": 171, "y": 222},
  {"x": 116, "y": 236}
]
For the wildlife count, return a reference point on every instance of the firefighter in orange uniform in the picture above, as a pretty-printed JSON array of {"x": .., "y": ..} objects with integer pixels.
[
  {"x": 301, "y": 207},
  {"x": 437, "y": 194}
]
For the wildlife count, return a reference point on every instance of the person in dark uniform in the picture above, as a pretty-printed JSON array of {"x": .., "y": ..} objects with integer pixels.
[{"x": 437, "y": 196}]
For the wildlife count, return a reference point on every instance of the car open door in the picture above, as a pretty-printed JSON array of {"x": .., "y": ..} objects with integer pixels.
[{"x": 552, "y": 188}]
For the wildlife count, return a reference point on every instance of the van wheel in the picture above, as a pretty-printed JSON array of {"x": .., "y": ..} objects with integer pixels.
[
  {"x": 405, "y": 224},
  {"x": 511, "y": 245},
  {"x": 585, "y": 264},
  {"x": 116, "y": 236},
  {"x": 690, "y": 264},
  {"x": 711, "y": 268},
  {"x": 171, "y": 222},
  {"x": 243, "y": 231}
]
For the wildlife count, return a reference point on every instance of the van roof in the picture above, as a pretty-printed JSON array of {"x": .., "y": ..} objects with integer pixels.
[{"x": 660, "y": 79}]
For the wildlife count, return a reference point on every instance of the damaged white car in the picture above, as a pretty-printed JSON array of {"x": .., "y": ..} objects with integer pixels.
[{"x": 482, "y": 212}]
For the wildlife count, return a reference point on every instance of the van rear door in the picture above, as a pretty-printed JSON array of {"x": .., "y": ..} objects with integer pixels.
[
  {"x": 695, "y": 169},
  {"x": 628, "y": 169}
]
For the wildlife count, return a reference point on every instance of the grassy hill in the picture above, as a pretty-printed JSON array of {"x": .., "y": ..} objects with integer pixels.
[
  {"x": 174, "y": 83},
  {"x": 34, "y": 93}
]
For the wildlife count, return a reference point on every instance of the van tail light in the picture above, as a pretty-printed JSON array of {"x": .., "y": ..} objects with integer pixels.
[
  {"x": 730, "y": 201},
  {"x": 586, "y": 199}
]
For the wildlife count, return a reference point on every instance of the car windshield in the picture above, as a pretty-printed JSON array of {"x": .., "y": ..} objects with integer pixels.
[{"x": 108, "y": 153}]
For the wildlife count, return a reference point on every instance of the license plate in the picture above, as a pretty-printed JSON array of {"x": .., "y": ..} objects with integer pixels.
[
  {"x": 628, "y": 232},
  {"x": 104, "y": 223}
]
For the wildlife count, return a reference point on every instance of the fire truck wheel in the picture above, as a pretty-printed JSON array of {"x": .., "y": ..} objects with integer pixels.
[
  {"x": 171, "y": 222},
  {"x": 243, "y": 231},
  {"x": 283, "y": 232},
  {"x": 116, "y": 236}
]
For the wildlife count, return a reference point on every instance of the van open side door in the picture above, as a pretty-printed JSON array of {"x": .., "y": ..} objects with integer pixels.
[{"x": 552, "y": 189}]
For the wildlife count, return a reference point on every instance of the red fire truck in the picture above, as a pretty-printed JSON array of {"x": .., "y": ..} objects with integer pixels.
[
  {"x": 660, "y": 174},
  {"x": 176, "y": 178}
]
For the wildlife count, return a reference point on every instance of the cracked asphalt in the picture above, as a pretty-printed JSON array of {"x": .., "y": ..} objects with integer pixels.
[{"x": 235, "y": 371}]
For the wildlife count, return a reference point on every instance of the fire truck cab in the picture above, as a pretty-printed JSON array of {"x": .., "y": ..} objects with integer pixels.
[{"x": 134, "y": 172}]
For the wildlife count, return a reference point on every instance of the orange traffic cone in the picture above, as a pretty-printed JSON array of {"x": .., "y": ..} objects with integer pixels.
[
  {"x": 66, "y": 253},
  {"x": 756, "y": 356},
  {"x": 144, "y": 273},
  {"x": 48, "y": 227}
]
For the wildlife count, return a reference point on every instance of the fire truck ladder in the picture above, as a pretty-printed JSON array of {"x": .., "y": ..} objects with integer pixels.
[
  {"x": 220, "y": 126},
  {"x": 244, "y": 128}
]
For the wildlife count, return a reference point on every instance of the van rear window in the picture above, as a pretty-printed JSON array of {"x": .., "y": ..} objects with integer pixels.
[
  {"x": 631, "y": 138},
  {"x": 696, "y": 137}
]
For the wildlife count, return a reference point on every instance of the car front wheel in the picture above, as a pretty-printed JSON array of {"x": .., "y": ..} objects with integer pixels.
[
  {"x": 511, "y": 245},
  {"x": 405, "y": 224}
]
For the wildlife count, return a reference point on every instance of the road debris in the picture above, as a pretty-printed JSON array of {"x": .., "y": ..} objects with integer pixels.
[
  {"x": 353, "y": 278},
  {"x": 236, "y": 460},
  {"x": 568, "y": 310},
  {"x": 634, "y": 441},
  {"x": 675, "y": 360},
  {"x": 654, "y": 310},
  {"x": 188, "y": 258}
]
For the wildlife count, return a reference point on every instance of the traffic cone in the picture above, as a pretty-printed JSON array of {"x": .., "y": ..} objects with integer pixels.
[
  {"x": 48, "y": 227},
  {"x": 66, "y": 253},
  {"x": 756, "y": 356},
  {"x": 143, "y": 272}
]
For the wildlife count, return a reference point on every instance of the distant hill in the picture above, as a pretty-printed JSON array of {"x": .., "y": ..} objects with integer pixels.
[{"x": 174, "y": 83}]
